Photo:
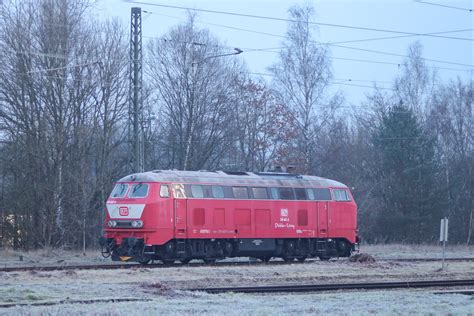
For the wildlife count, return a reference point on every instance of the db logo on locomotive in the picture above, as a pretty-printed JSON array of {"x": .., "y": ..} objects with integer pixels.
[{"x": 123, "y": 211}]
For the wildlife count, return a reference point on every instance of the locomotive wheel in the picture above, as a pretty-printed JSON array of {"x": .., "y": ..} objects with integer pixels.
[
  {"x": 167, "y": 261},
  {"x": 228, "y": 249},
  {"x": 144, "y": 261},
  {"x": 186, "y": 261},
  {"x": 324, "y": 258},
  {"x": 264, "y": 258},
  {"x": 343, "y": 248},
  {"x": 209, "y": 260},
  {"x": 288, "y": 259},
  {"x": 301, "y": 258}
]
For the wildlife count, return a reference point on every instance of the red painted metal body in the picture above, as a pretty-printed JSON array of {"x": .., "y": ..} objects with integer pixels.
[{"x": 167, "y": 218}]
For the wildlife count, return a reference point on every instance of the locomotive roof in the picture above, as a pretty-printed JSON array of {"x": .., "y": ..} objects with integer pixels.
[{"x": 231, "y": 178}]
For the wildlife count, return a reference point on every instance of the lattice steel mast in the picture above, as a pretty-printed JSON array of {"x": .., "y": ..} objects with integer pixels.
[{"x": 136, "y": 97}]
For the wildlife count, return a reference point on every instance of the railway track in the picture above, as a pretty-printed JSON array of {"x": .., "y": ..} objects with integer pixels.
[
  {"x": 337, "y": 287},
  {"x": 194, "y": 264},
  {"x": 280, "y": 289}
]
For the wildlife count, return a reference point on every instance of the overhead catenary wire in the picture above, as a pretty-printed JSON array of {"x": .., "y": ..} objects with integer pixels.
[
  {"x": 399, "y": 36},
  {"x": 344, "y": 82},
  {"x": 290, "y": 20},
  {"x": 274, "y": 50},
  {"x": 323, "y": 43},
  {"x": 444, "y": 6}
]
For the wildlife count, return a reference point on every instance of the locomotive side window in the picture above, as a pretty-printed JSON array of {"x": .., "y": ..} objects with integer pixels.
[
  {"x": 274, "y": 193},
  {"x": 228, "y": 194},
  {"x": 260, "y": 193},
  {"x": 287, "y": 194},
  {"x": 197, "y": 191},
  {"x": 217, "y": 192},
  {"x": 310, "y": 193},
  {"x": 178, "y": 191},
  {"x": 300, "y": 194},
  {"x": 207, "y": 191},
  {"x": 322, "y": 194},
  {"x": 139, "y": 190},
  {"x": 240, "y": 192},
  {"x": 341, "y": 195},
  {"x": 119, "y": 190},
  {"x": 164, "y": 191}
]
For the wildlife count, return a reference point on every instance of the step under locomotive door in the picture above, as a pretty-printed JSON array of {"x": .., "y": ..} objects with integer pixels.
[
  {"x": 323, "y": 210},
  {"x": 180, "y": 218}
]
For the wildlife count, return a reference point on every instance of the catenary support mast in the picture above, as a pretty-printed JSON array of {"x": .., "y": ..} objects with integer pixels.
[{"x": 136, "y": 98}]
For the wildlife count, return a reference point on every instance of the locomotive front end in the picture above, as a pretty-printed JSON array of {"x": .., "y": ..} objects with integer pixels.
[{"x": 126, "y": 229}]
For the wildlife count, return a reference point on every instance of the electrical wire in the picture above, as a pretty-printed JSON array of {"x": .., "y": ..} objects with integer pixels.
[
  {"x": 288, "y": 20},
  {"x": 444, "y": 5},
  {"x": 335, "y": 81},
  {"x": 273, "y": 50},
  {"x": 329, "y": 44},
  {"x": 400, "y": 36}
]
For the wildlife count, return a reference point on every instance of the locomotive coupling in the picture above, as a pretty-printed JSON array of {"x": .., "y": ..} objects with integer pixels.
[
  {"x": 106, "y": 242},
  {"x": 130, "y": 248}
]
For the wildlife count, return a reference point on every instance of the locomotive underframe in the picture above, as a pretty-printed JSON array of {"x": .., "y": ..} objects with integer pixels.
[{"x": 210, "y": 250}]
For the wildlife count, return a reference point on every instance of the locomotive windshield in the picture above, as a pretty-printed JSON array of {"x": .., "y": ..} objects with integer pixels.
[
  {"x": 139, "y": 190},
  {"x": 119, "y": 190}
]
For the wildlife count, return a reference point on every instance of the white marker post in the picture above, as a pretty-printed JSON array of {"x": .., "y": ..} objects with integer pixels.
[{"x": 443, "y": 235}]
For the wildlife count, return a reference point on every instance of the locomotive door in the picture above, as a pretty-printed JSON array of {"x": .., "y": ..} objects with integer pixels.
[
  {"x": 323, "y": 210},
  {"x": 180, "y": 224}
]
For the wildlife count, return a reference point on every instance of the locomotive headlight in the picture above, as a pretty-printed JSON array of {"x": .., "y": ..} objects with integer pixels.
[
  {"x": 137, "y": 224},
  {"x": 112, "y": 224}
]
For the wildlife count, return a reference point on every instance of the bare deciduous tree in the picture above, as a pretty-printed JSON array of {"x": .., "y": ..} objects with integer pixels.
[
  {"x": 61, "y": 101},
  {"x": 301, "y": 78},
  {"x": 192, "y": 82}
]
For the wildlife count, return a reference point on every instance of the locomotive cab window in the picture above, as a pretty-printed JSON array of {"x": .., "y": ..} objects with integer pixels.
[
  {"x": 178, "y": 191},
  {"x": 322, "y": 194},
  {"x": 119, "y": 190},
  {"x": 164, "y": 191},
  {"x": 341, "y": 195},
  {"x": 139, "y": 190}
]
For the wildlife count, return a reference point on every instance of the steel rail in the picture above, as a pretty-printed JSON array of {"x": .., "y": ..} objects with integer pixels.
[
  {"x": 336, "y": 287},
  {"x": 193, "y": 264},
  {"x": 73, "y": 301}
]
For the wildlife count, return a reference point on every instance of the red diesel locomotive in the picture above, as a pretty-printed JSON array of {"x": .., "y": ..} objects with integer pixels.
[{"x": 171, "y": 215}]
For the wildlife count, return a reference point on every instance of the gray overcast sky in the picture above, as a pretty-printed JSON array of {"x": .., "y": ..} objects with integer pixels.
[{"x": 399, "y": 15}]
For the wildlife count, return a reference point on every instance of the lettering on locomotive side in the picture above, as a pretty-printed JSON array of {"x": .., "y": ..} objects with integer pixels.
[
  {"x": 284, "y": 225},
  {"x": 284, "y": 220},
  {"x": 223, "y": 231}
]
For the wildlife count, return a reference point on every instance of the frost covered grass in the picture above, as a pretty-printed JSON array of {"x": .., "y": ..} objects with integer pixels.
[
  {"x": 48, "y": 256},
  {"x": 165, "y": 288},
  {"x": 347, "y": 303},
  {"x": 417, "y": 251}
]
